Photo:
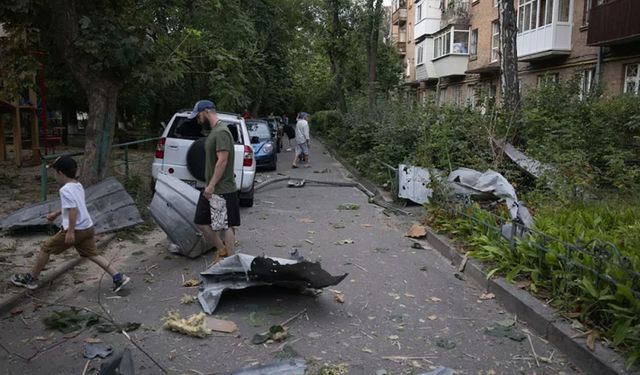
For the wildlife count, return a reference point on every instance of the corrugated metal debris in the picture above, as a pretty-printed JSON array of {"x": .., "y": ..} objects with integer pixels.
[
  {"x": 110, "y": 206},
  {"x": 413, "y": 183},
  {"x": 241, "y": 271}
]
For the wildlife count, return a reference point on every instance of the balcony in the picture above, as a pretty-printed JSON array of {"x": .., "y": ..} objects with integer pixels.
[
  {"x": 544, "y": 31},
  {"x": 400, "y": 46},
  {"x": 455, "y": 12},
  {"x": 451, "y": 65},
  {"x": 399, "y": 16},
  {"x": 614, "y": 22}
]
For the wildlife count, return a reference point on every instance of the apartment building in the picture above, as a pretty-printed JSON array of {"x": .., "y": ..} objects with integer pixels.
[{"x": 595, "y": 41}]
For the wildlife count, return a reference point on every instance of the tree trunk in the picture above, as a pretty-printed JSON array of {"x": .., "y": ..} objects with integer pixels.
[
  {"x": 102, "y": 97},
  {"x": 509, "y": 55},
  {"x": 335, "y": 56},
  {"x": 375, "y": 16}
]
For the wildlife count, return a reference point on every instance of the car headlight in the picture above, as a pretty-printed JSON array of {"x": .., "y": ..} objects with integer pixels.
[{"x": 268, "y": 147}]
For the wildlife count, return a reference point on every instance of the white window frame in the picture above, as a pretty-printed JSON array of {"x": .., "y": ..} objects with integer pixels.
[
  {"x": 495, "y": 41},
  {"x": 443, "y": 42},
  {"x": 587, "y": 81},
  {"x": 419, "y": 55},
  {"x": 632, "y": 79},
  {"x": 473, "y": 43},
  {"x": 419, "y": 13},
  {"x": 546, "y": 78}
]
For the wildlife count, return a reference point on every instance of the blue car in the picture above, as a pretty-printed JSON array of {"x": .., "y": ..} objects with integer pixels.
[{"x": 264, "y": 146}]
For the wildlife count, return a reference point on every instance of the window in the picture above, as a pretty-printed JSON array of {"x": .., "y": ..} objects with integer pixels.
[
  {"x": 533, "y": 14},
  {"x": 419, "y": 55},
  {"x": 495, "y": 41},
  {"x": 451, "y": 41},
  {"x": 563, "y": 10},
  {"x": 631, "y": 78},
  {"x": 587, "y": 79},
  {"x": 471, "y": 96},
  {"x": 403, "y": 36},
  {"x": 408, "y": 68},
  {"x": 443, "y": 96},
  {"x": 548, "y": 78},
  {"x": 419, "y": 13},
  {"x": 457, "y": 95},
  {"x": 473, "y": 43}
]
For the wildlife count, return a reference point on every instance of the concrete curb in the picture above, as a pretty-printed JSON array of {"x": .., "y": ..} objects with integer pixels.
[
  {"x": 9, "y": 303},
  {"x": 540, "y": 317}
]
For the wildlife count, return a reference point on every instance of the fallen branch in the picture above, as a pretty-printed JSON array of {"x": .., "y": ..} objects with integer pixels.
[{"x": 535, "y": 356}]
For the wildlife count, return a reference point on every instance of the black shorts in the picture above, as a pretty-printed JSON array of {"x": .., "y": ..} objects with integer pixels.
[{"x": 203, "y": 210}]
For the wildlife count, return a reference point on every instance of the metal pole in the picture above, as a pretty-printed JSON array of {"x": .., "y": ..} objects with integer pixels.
[
  {"x": 43, "y": 180},
  {"x": 126, "y": 160}
]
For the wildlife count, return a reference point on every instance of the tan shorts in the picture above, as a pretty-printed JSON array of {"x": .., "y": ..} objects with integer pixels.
[{"x": 85, "y": 243}]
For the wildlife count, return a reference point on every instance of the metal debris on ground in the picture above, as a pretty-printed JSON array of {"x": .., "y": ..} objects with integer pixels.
[
  {"x": 97, "y": 350},
  {"x": 413, "y": 183},
  {"x": 122, "y": 364},
  {"x": 108, "y": 203},
  {"x": 194, "y": 325},
  {"x": 241, "y": 271},
  {"x": 417, "y": 245},
  {"x": 289, "y": 366},
  {"x": 440, "y": 370},
  {"x": 295, "y": 183},
  {"x": 416, "y": 231}
]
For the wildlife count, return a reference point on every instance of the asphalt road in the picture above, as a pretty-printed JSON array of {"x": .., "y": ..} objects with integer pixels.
[{"x": 404, "y": 312}]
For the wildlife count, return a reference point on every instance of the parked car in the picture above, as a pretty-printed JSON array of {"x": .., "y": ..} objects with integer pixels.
[
  {"x": 180, "y": 153},
  {"x": 263, "y": 143},
  {"x": 276, "y": 130}
]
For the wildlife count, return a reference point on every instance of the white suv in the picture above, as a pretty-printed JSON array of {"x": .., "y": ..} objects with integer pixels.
[{"x": 180, "y": 153}]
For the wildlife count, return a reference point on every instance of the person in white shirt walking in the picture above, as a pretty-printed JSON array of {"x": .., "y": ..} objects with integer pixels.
[
  {"x": 77, "y": 229},
  {"x": 302, "y": 141}
]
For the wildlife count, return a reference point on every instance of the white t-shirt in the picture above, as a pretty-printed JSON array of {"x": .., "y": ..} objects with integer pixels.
[
  {"x": 72, "y": 196},
  {"x": 302, "y": 131}
]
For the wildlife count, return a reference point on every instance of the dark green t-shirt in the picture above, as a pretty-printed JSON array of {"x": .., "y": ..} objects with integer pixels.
[{"x": 220, "y": 139}]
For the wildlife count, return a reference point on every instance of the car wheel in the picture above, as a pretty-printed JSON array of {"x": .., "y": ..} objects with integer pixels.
[
  {"x": 246, "y": 199},
  {"x": 196, "y": 159}
]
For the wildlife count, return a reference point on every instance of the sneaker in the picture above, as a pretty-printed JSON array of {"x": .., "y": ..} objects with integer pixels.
[
  {"x": 24, "y": 280},
  {"x": 117, "y": 285}
]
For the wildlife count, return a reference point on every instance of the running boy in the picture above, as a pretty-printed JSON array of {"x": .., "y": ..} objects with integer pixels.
[{"x": 77, "y": 229}]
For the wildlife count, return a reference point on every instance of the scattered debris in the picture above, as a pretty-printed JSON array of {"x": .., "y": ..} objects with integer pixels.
[
  {"x": 306, "y": 220},
  {"x": 290, "y": 366},
  {"x": 110, "y": 327},
  {"x": 505, "y": 328},
  {"x": 92, "y": 340},
  {"x": 122, "y": 364},
  {"x": 487, "y": 296},
  {"x": 416, "y": 231},
  {"x": 188, "y": 299},
  {"x": 445, "y": 343},
  {"x": 220, "y": 325},
  {"x": 440, "y": 370},
  {"x": 347, "y": 241},
  {"x": 241, "y": 271},
  {"x": 432, "y": 317},
  {"x": 417, "y": 245},
  {"x": 296, "y": 183},
  {"x": 523, "y": 284},
  {"x": 194, "y": 325},
  {"x": 413, "y": 183},
  {"x": 591, "y": 339},
  {"x": 16, "y": 311},
  {"x": 70, "y": 320},
  {"x": 192, "y": 282},
  {"x": 366, "y": 225},
  {"x": 458, "y": 276},
  {"x": 349, "y": 206},
  {"x": 97, "y": 350},
  {"x": 338, "y": 226},
  {"x": 435, "y": 299},
  {"x": 276, "y": 333},
  {"x": 326, "y": 170},
  {"x": 463, "y": 263},
  {"x": 338, "y": 296}
]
